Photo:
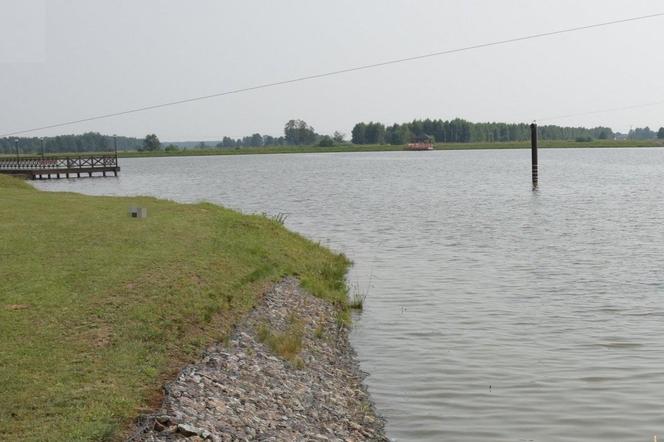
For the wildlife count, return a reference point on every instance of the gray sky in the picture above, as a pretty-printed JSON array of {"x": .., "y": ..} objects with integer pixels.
[{"x": 67, "y": 59}]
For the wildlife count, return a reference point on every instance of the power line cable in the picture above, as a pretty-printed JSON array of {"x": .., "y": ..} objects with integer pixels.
[
  {"x": 601, "y": 111},
  {"x": 337, "y": 72}
]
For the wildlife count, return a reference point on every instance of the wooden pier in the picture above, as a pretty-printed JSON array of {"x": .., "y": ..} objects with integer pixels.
[{"x": 44, "y": 167}]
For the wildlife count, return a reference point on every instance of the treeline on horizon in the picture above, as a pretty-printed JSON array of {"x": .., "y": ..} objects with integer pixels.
[
  {"x": 299, "y": 133},
  {"x": 87, "y": 142},
  {"x": 462, "y": 131}
]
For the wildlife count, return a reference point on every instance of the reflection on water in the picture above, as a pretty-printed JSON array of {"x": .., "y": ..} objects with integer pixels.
[{"x": 493, "y": 312}]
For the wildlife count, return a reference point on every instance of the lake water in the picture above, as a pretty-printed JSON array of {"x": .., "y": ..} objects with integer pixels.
[{"x": 493, "y": 312}]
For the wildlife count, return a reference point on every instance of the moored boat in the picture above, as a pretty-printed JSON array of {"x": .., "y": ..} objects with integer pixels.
[{"x": 424, "y": 142}]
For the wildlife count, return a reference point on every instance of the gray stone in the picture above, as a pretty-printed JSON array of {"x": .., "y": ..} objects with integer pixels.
[
  {"x": 242, "y": 391},
  {"x": 188, "y": 430}
]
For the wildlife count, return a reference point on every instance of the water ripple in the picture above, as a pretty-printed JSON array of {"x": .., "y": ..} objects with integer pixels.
[{"x": 493, "y": 313}]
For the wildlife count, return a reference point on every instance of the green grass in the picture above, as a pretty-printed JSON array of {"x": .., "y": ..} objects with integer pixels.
[
  {"x": 357, "y": 301},
  {"x": 286, "y": 344},
  {"x": 98, "y": 309}
]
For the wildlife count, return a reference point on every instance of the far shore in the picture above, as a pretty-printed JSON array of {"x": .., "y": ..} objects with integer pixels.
[{"x": 543, "y": 144}]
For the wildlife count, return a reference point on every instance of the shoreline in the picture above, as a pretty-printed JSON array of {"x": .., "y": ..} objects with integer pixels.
[
  {"x": 245, "y": 390},
  {"x": 352, "y": 148}
]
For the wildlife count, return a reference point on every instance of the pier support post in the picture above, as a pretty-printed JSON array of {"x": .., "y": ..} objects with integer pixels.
[
  {"x": 533, "y": 142},
  {"x": 18, "y": 155}
]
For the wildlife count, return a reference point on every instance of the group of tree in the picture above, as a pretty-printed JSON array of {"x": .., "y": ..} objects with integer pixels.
[
  {"x": 299, "y": 133},
  {"x": 255, "y": 140},
  {"x": 645, "y": 133},
  {"x": 87, "y": 142},
  {"x": 462, "y": 131},
  {"x": 369, "y": 133},
  {"x": 151, "y": 143},
  {"x": 296, "y": 133}
]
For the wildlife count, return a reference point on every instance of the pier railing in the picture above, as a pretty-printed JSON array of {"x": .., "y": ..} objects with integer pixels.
[{"x": 46, "y": 166}]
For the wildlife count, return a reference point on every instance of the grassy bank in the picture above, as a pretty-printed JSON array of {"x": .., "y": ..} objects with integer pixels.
[{"x": 97, "y": 309}]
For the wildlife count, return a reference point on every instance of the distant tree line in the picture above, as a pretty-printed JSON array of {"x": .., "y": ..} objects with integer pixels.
[
  {"x": 299, "y": 133},
  {"x": 645, "y": 133},
  {"x": 87, "y": 142},
  {"x": 255, "y": 140},
  {"x": 296, "y": 133},
  {"x": 462, "y": 131}
]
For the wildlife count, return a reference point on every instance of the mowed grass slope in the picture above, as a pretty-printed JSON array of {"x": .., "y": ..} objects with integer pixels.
[{"x": 98, "y": 309}]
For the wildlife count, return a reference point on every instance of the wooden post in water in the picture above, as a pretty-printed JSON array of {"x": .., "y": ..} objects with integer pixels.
[
  {"x": 115, "y": 144},
  {"x": 533, "y": 141}
]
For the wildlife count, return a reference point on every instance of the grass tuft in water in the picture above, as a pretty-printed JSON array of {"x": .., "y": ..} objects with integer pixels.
[
  {"x": 279, "y": 218},
  {"x": 357, "y": 301},
  {"x": 359, "y": 296}
]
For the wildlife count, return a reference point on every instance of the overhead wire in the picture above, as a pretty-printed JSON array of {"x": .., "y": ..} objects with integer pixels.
[
  {"x": 332, "y": 73},
  {"x": 601, "y": 111}
]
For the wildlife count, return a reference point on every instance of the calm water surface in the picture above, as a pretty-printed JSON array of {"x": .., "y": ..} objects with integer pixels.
[{"x": 493, "y": 312}]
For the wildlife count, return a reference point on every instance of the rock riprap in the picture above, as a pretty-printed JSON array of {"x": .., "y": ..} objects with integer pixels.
[{"x": 287, "y": 373}]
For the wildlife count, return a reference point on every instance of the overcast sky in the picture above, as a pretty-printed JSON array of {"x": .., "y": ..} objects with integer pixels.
[{"x": 62, "y": 60}]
